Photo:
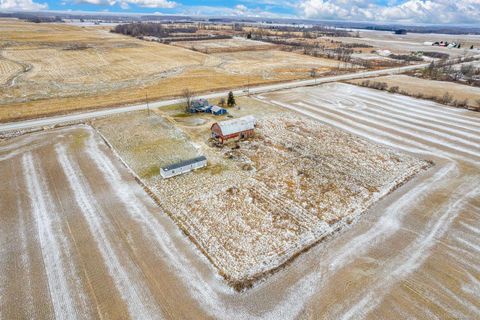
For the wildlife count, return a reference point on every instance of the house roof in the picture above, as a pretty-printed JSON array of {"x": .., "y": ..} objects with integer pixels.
[
  {"x": 199, "y": 102},
  {"x": 237, "y": 125},
  {"x": 216, "y": 108},
  {"x": 184, "y": 163}
]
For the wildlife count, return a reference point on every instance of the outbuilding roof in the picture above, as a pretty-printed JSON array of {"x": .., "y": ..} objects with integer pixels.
[
  {"x": 237, "y": 125},
  {"x": 184, "y": 163},
  {"x": 216, "y": 108}
]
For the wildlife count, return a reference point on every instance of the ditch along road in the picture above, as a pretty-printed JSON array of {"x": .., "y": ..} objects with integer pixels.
[
  {"x": 79, "y": 117},
  {"x": 80, "y": 238}
]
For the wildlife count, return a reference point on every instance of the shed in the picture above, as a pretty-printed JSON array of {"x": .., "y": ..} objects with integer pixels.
[
  {"x": 183, "y": 167},
  {"x": 216, "y": 110},
  {"x": 236, "y": 128},
  {"x": 205, "y": 109}
]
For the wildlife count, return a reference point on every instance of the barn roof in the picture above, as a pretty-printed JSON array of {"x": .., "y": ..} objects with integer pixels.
[
  {"x": 237, "y": 125},
  {"x": 184, "y": 163}
]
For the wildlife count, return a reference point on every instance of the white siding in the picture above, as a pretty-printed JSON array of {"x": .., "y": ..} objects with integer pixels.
[{"x": 174, "y": 172}]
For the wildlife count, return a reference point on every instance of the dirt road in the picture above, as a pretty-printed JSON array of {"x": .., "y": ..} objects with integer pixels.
[{"x": 80, "y": 238}]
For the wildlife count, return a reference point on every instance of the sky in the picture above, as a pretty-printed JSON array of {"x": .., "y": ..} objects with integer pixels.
[{"x": 399, "y": 11}]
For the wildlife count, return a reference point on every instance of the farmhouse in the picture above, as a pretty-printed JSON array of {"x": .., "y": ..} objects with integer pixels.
[
  {"x": 183, "y": 167},
  {"x": 199, "y": 105},
  {"x": 236, "y": 128}
]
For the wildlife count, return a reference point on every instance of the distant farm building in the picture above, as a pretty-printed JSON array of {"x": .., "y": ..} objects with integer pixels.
[
  {"x": 216, "y": 110},
  {"x": 202, "y": 105},
  {"x": 240, "y": 128},
  {"x": 183, "y": 167}
]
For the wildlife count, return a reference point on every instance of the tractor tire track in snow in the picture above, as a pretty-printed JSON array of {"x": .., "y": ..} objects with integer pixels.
[
  {"x": 67, "y": 293},
  {"x": 413, "y": 256},
  {"x": 405, "y": 119},
  {"x": 125, "y": 274},
  {"x": 398, "y": 128}
]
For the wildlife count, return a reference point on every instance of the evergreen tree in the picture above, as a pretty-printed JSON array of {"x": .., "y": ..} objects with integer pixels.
[{"x": 231, "y": 100}]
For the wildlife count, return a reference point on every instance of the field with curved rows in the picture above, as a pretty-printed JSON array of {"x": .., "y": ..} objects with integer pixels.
[
  {"x": 73, "y": 68},
  {"x": 8, "y": 71}
]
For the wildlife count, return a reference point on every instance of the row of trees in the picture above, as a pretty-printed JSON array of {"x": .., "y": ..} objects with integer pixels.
[
  {"x": 309, "y": 33},
  {"x": 149, "y": 29},
  {"x": 340, "y": 53}
]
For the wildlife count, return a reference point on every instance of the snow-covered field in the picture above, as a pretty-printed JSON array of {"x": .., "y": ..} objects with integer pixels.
[{"x": 80, "y": 239}]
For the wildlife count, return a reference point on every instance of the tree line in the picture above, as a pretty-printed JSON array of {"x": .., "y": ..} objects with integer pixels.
[{"x": 149, "y": 29}]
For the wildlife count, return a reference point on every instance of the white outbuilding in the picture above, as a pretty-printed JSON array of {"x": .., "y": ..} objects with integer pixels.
[{"x": 183, "y": 167}]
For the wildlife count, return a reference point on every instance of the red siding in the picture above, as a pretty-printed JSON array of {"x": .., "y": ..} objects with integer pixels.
[{"x": 218, "y": 133}]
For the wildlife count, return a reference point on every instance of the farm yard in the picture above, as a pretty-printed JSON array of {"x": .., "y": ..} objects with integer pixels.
[
  {"x": 81, "y": 238},
  {"x": 256, "y": 207}
]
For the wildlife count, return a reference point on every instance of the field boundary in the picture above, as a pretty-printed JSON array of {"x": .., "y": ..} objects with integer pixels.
[{"x": 254, "y": 279}]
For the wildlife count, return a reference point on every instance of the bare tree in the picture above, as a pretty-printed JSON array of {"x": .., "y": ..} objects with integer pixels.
[
  {"x": 221, "y": 102},
  {"x": 447, "y": 98},
  {"x": 187, "y": 95},
  {"x": 313, "y": 74}
]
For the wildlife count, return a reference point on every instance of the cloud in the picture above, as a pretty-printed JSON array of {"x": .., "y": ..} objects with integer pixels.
[
  {"x": 241, "y": 9},
  {"x": 152, "y": 3},
  {"x": 411, "y": 11},
  {"x": 125, "y": 4},
  {"x": 236, "y": 11},
  {"x": 22, "y": 5}
]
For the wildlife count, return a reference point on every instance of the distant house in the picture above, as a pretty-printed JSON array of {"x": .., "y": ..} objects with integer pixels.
[
  {"x": 216, "y": 110},
  {"x": 240, "y": 128},
  {"x": 384, "y": 53},
  {"x": 183, "y": 167},
  {"x": 199, "y": 105}
]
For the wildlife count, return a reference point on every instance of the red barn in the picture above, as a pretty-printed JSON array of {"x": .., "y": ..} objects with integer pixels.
[{"x": 236, "y": 128}]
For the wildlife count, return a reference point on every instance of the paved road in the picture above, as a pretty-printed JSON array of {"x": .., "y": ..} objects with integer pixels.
[{"x": 50, "y": 121}]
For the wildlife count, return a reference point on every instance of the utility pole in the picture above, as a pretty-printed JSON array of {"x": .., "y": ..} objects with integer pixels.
[{"x": 148, "y": 107}]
